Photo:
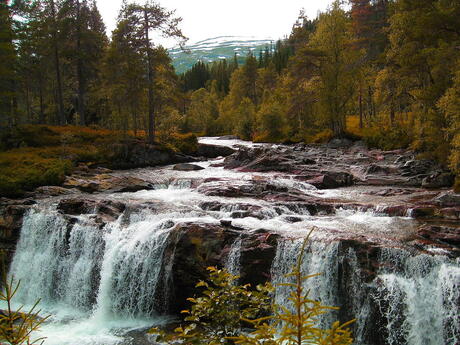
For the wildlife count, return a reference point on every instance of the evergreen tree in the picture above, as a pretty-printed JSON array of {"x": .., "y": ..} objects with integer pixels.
[{"x": 142, "y": 20}]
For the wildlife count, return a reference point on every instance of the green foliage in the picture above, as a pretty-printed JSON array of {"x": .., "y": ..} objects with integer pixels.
[
  {"x": 16, "y": 326},
  {"x": 216, "y": 315},
  {"x": 25, "y": 169},
  {"x": 184, "y": 143}
]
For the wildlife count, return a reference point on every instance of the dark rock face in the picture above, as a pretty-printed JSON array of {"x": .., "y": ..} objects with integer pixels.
[
  {"x": 194, "y": 247},
  {"x": 191, "y": 249},
  {"x": 214, "y": 151},
  {"x": 107, "y": 210}
]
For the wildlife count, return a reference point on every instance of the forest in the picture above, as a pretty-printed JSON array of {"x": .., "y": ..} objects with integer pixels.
[{"x": 386, "y": 72}]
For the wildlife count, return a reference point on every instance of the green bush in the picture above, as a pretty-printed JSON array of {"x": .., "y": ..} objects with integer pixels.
[{"x": 219, "y": 314}]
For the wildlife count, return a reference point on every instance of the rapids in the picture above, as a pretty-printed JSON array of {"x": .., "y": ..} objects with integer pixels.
[{"x": 102, "y": 281}]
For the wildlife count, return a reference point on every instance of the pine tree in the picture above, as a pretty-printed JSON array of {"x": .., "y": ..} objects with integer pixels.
[{"x": 142, "y": 20}]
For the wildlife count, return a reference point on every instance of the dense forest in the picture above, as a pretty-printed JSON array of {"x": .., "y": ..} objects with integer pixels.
[{"x": 384, "y": 71}]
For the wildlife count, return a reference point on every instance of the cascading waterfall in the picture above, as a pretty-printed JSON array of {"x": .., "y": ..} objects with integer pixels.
[
  {"x": 57, "y": 261},
  {"x": 421, "y": 295},
  {"x": 98, "y": 274},
  {"x": 233, "y": 262},
  {"x": 417, "y": 294},
  {"x": 318, "y": 258}
]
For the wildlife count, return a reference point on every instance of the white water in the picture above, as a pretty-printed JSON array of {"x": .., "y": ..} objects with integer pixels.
[
  {"x": 423, "y": 296},
  {"x": 233, "y": 262},
  {"x": 419, "y": 294},
  {"x": 100, "y": 282},
  {"x": 318, "y": 258},
  {"x": 94, "y": 282}
]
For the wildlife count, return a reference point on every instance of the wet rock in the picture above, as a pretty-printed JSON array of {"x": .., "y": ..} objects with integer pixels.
[
  {"x": 438, "y": 180},
  {"x": 214, "y": 151},
  {"x": 441, "y": 234},
  {"x": 452, "y": 213},
  {"x": 332, "y": 180},
  {"x": 448, "y": 199},
  {"x": 380, "y": 169},
  {"x": 107, "y": 183},
  {"x": 187, "y": 167},
  {"x": 191, "y": 249},
  {"x": 423, "y": 212},
  {"x": 258, "y": 250},
  {"x": 11, "y": 218},
  {"x": 340, "y": 143},
  {"x": 107, "y": 210},
  {"x": 228, "y": 137},
  {"x": 46, "y": 191}
]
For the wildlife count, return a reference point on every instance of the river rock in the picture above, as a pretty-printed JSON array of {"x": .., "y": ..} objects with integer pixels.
[
  {"x": 107, "y": 210},
  {"x": 187, "y": 167},
  {"x": 438, "y": 180},
  {"x": 332, "y": 180},
  {"x": 448, "y": 199},
  {"x": 107, "y": 183}
]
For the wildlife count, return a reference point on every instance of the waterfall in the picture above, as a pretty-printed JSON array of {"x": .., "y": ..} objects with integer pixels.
[
  {"x": 415, "y": 295},
  {"x": 57, "y": 261},
  {"x": 421, "y": 295},
  {"x": 233, "y": 262},
  {"x": 74, "y": 263},
  {"x": 318, "y": 257}
]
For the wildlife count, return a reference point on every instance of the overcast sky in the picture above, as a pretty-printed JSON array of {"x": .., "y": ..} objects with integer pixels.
[{"x": 210, "y": 18}]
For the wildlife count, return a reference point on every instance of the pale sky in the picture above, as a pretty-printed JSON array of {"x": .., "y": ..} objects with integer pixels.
[{"x": 210, "y": 18}]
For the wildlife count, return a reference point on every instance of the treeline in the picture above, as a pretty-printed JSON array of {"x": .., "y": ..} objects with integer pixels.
[
  {"x": 384, "y": 70},
  {"x": 59, "y": 67}
]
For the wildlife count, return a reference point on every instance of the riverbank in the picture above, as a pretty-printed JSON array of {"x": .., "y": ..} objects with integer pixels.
[{"x": 32, "y": 155}]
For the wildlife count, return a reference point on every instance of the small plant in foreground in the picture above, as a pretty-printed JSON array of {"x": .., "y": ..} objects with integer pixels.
[
  {"x": 218, "y": 316},
  {"x": 16, "y": 327}
]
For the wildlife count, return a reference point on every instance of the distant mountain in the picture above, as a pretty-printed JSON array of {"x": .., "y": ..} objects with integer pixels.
[{"x": 212, "y": 49}]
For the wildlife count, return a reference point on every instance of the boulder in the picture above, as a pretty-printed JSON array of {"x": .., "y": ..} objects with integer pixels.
[
  {"x": 340, "y": 143},
  {"x": 332, "y": 179},
  {"x": 187, "y": 167},
  {"x": 214, "y": 151},
  {"x": 448, "y": 199},
  {"x": 107, "y": 183},
  {"x": 107, "y": 210},
  {"x": 438, "y": 180}
]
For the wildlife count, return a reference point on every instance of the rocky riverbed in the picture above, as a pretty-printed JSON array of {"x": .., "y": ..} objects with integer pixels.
[{"x": 119, "y": 245}]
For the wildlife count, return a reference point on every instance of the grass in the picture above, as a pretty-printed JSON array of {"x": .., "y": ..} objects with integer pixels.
[{"x": 37, "y": 155}]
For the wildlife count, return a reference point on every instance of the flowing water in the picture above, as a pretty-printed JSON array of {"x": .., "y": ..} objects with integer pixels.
[{"x": 99, "y": 282}]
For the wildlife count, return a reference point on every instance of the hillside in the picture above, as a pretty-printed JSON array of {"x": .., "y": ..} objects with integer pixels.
[{"x": 216, "y": 48}]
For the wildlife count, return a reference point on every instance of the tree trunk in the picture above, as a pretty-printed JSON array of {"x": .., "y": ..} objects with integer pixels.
[
  {"x": 61, "y": 115},
  {"x": 80, "y": 74},
  {"x": 41, "y": 115},
  {"x": 360, "y": 107},
  {"x": 150, "y": 80}
]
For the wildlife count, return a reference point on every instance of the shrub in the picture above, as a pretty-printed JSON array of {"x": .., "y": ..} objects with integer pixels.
[
  {"x": 216, "y": 317},
  {"x": 185, "y": 143},
  {"x": 16, "y": 327}
]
